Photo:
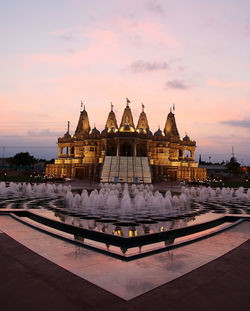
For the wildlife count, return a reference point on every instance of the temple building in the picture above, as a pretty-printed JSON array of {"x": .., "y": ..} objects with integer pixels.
[{"x": 126, "y": 153}]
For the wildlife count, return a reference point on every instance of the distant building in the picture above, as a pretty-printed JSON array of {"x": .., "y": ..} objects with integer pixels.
[
  {"x": 215, "y": 170},
  {"x": 126, "y": 153}
]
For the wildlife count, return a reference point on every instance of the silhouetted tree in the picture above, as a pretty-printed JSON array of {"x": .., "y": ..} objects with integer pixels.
[
  {"x": 50, "y": 161},
  {"x": 22, "y": 159},
  {"x": 233, "y": 166}
]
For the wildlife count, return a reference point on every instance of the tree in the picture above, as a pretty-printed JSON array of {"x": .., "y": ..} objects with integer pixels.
[
  {"x": 52, "y": 161},
  {"x": 233, "y": 166},
  {"x": 22, "y": 159}
]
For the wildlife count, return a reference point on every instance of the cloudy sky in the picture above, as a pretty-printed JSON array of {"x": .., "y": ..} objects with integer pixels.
[{"x": 194, "y": 53}]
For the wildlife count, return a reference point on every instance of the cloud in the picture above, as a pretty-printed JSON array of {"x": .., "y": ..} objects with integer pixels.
[
  {"x": 222, "y": 138},
  {"x": 103, "y": 48},
  {"x": 154, "y": 6},
  {"x": 64, "y": 34},
  {"x": 245, "y": 123},
  {"x": 10, "y": 136},
  {"x": 233, "y": 84},
  {"x": 44, "y": 133},
  {"x": 108, "y": 44},
  {"x": 177, "y": 84},
  {"x": 140, "y": 66},
  {"x": 67, "y": 37}
]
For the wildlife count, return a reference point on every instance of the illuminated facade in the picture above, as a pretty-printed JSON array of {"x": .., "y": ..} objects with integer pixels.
[{"x": 82, "y": 155}]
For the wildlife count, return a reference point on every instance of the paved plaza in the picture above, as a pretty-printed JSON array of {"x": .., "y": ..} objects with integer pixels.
[{"x": 41, "y": 270}]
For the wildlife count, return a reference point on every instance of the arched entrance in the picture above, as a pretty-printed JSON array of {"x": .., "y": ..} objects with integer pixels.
[
  {"x": 172, "y": 175},
  {"x": 65, "y": 150},
  {"x": 111, "y": 150},
  {"x": 181, "y": 155},
  {"x": 126, "y": 150},
  {"x": 187, "y": 154},
  {"x": 81, "y": 172},
  {"x": 141, "y": 150}
]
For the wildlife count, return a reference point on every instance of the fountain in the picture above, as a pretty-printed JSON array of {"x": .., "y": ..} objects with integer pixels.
[{"x": 125, "y": 211}]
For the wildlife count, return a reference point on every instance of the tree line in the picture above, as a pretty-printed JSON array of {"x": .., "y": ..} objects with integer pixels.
[{"x": 25, "y": 159}]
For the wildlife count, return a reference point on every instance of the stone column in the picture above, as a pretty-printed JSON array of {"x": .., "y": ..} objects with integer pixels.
[
  {"x": 134, "y": 153},
  {"x": 59, "y": 151},
  {"x": 148, "y": 148},
  {"x": 118, "y": 149},
  {"x": 192, "y": 154}
]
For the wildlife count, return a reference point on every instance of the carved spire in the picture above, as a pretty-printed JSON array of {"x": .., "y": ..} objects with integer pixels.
[
  {"x": 170, "y": 126},
  {"x": 142, "y": 124},
  {"x": 127, "y": 123},
  {"x": 82, "y": 106},
  {"x": 83, "y": 126},
  {"x": 67, "y": 135},
  {"x": 111, "y": 123},
  {"x": 128, "y": 102}
]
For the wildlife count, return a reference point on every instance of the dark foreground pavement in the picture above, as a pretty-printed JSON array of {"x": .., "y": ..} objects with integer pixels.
[{"x": 31, "y": 282}]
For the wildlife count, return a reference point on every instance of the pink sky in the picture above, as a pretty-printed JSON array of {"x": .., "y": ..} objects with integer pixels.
[{"x": 194, "y": 54}]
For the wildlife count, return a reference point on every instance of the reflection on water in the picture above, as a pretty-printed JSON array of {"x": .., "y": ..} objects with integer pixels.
[
  {"x": 144, "y": 249},
  {"x": 133, "y": 229}
]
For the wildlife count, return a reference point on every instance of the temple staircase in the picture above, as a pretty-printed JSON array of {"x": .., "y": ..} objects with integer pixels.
[{"x": 126, "y": 170}]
